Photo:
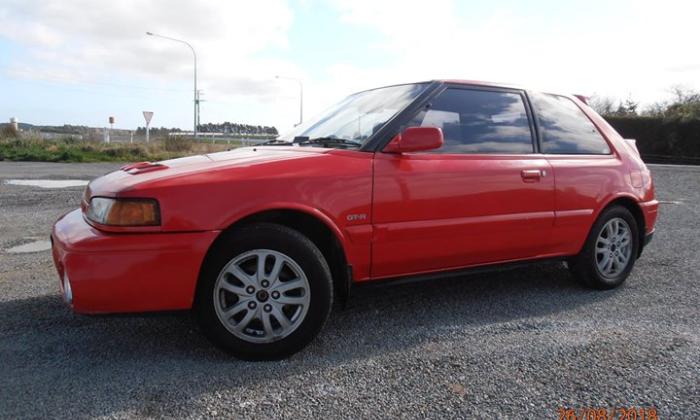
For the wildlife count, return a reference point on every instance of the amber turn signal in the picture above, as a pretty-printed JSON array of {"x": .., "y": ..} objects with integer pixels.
[{"x": 124, "y": 211}]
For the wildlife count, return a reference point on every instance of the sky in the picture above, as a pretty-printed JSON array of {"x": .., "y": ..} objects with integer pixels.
[{"x": 81, "y": 61}]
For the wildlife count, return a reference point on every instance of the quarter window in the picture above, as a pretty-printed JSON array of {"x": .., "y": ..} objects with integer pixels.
[
  {"x": 565, "y": 129},
  {"x": 478, "y": 121}
]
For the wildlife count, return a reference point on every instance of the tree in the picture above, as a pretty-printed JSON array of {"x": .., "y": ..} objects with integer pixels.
[
  {"x": 684, "y": 106},
  {"x": 603, "y": 105},
  {"x": 628, "y": 108}
]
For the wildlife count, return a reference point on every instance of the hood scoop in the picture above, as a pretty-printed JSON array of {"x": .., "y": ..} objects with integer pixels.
[{"x": 142, "y": 167}]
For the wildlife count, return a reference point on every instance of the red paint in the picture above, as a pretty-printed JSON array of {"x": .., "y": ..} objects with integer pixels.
[
  {"x": 450, "y": 211},
  {"x": 425, "y": 212},
  {"x": 128, "y": 272}
]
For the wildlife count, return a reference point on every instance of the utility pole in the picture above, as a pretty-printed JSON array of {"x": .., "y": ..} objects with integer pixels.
[
  {"x": 199, "y": 101},
  {"x": 196, "y": 92},
  {"x": 301, "y": 96}
]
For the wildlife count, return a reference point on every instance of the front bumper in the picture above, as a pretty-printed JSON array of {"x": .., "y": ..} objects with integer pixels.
[{"x": 126, "y": 272}]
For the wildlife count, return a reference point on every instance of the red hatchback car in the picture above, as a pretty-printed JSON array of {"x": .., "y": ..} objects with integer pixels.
[{"x": 395, "y": 182}]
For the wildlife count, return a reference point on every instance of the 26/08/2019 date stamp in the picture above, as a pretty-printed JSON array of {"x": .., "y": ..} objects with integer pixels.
[{"x": 608, "y": 413}]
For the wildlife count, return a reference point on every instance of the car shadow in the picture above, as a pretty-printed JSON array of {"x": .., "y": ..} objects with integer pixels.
[{"x": 107, "y": 365}]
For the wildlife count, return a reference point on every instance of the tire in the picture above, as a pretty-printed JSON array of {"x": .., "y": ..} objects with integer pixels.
[
  {"x": 600, "y": 265},
  {"x": 254, "y": 320}
]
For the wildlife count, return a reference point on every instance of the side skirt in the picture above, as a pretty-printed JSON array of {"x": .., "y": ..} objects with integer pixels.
[{"x": 498, "y": 267}]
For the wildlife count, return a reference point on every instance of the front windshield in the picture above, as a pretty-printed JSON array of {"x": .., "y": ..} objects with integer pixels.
[{"x": 358, "y": 116}]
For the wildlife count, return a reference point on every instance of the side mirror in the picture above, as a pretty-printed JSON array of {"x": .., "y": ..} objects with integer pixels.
[{"x": 415, "y": 139}]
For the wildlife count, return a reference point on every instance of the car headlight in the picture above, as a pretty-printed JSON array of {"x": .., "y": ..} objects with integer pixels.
[{"x": 124, "y": 211}]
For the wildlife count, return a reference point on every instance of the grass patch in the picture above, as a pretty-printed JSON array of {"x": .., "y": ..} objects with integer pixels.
[{"x": 75, "y": 150}]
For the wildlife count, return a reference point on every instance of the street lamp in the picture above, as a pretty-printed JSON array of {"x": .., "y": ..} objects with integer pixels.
[
  {"x": 196, "y": 94},
  {"x": 301, "y": 96}
]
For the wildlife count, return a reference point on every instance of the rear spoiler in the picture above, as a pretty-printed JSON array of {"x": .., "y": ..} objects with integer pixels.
[
  {"x": 582, "y": 98},
  {"x": 633, "y": 144}
]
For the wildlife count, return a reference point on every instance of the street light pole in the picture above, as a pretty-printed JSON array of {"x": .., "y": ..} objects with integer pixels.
[
  {"x": 301, "y": 96},
  {"x": 196, "y": 94}
]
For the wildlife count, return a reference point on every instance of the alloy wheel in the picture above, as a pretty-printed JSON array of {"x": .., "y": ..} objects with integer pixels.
[
  {"x": 262, "y": 296},
  {"x": 613, "y": 249}
]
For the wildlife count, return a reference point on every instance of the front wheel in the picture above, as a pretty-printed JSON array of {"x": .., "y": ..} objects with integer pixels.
[
  {"x": 264, "y": 293},
  {"x": 608, "y": 256}
]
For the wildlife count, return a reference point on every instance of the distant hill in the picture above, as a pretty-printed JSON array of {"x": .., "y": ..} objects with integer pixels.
[
  {"x": 58, "y": 129},
  {"x": 226, "y": 129},
  {"x": 22, "y": 126},
  {"x": 66, "y": 129},
  {"x": 25, "y": 126}
]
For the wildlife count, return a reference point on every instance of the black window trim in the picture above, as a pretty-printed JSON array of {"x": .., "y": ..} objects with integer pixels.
[
  {"x": 381, "y": 138},
  {"x": 384, "y": 136},
  {"x": 534, "y": 122}
]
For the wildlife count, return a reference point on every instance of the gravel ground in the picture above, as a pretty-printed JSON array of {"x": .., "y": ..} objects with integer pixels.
[{"x": 521, "y": 343}]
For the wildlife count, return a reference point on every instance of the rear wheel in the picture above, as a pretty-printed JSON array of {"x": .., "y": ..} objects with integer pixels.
[
  {"x": 610, "y": 251},
  {"x": 264, "y": 293}
]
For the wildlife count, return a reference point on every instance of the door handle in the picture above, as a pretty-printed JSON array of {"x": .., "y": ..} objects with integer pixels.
[{"x": 532, "y": 175}]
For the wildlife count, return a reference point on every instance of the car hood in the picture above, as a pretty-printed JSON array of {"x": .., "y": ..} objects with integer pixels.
[{"x": 144, "y": 174}]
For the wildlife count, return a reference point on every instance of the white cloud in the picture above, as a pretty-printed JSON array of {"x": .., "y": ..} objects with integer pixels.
[
  {"x": 94, "y": 41},
  {"x": 637, "y": 48}
]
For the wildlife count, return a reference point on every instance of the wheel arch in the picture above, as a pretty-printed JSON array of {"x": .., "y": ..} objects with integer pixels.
[
  {"x": 313, "y": 224},
  {"x": 631, "y": 204}
]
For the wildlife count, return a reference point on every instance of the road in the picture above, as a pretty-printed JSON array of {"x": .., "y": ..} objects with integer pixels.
[{"x": 522, "y": 343}]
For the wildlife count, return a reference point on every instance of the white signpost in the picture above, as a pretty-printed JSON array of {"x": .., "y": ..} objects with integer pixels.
[
  {"x": 147, "y": 115},
  {"x": 108, "y": 133}
]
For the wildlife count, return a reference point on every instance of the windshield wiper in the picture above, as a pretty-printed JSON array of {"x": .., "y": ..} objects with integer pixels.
[{"x": 327, "y": 141}]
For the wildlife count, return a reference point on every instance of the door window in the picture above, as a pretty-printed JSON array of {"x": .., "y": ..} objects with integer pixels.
[{"x": 478, "y": 121}]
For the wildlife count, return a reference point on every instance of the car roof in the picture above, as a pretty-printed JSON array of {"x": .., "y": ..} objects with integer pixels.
[
  {"x": 468, "y": 82},
  {"x": 465, "y": 82},
  {"x": 479, "y": 83}
]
